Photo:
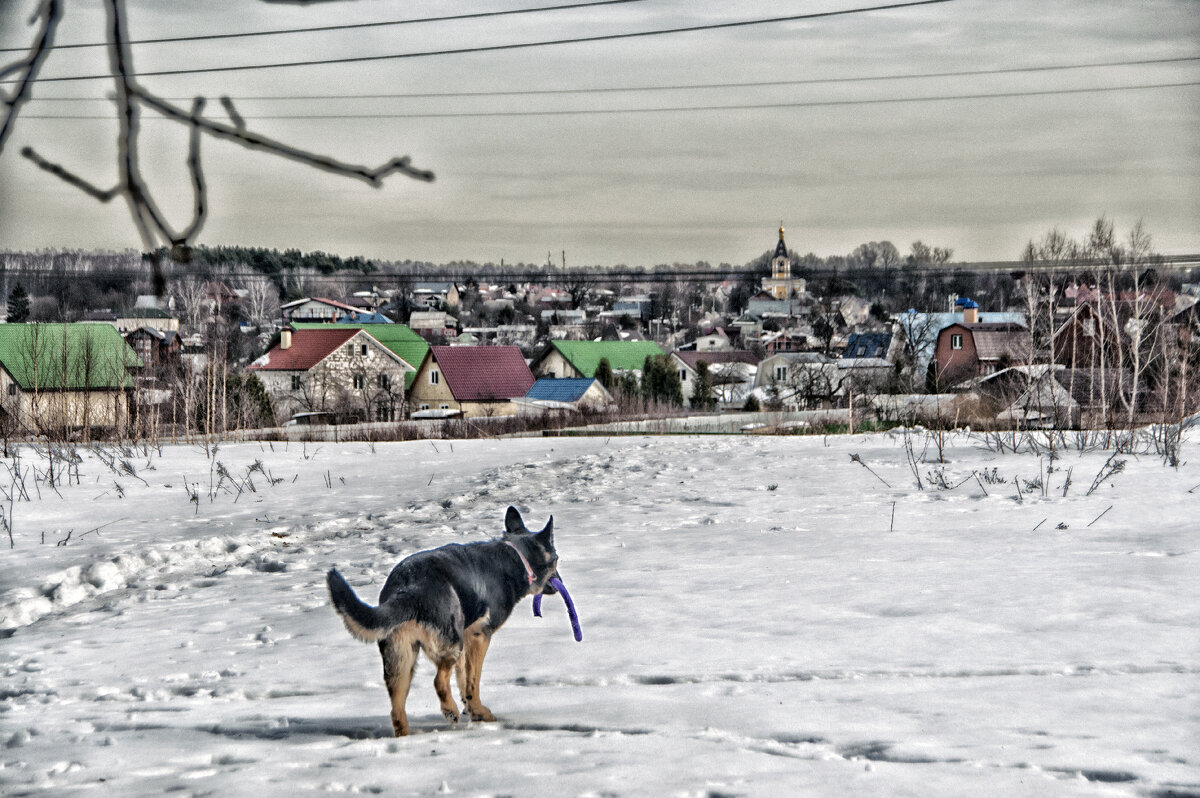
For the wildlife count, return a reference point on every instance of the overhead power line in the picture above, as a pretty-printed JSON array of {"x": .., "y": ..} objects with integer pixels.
[
  {"x": 607, "y": 37},
  {"x": 682, "y": 108},
  {"x": 347, "y": 26},
  {"x": 677, "y": 86}
]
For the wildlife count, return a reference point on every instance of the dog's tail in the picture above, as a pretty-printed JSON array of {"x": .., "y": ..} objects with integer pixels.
[{"x": 369, "y": 624}]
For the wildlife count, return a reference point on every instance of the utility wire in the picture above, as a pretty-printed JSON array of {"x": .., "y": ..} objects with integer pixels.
[
  {"x": 348, "y": 26},
  {"x": 672, "y": 87},
  {"x": 683, "y": 109},
  {"x": 502, "y": 47}
]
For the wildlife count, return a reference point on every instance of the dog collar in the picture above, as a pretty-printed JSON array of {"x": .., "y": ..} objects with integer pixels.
[{"x": 528, "y": 570}]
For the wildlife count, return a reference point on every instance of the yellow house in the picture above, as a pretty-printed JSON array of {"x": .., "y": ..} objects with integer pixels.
[{"x": 476, "y": 381}]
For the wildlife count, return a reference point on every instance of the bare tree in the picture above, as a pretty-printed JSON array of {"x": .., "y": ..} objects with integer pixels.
[
  {"x": 193, "y": 298},
  {"x": 261, "y": 301}
]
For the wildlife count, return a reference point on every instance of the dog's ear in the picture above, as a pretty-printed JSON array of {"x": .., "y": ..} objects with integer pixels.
[
  {"x": 547, "y": 534},
  {"x": 512, "y": 522}
]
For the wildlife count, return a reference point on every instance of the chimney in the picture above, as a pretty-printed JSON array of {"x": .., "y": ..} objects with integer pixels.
[
  {"x": 285, "y": 338},
  {"x": 970, "y": 312}
]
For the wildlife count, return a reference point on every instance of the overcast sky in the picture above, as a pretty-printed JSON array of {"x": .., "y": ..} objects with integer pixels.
[{"x": 981, "y": 176}]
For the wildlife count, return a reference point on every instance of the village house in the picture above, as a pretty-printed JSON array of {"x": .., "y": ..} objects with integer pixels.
[
  {"x": 731, "y": 374},
  {"x": 65, "y": 377},
  {"x": 159, "y": 351},
  {"x": 869, "y": 360},
  {"x": 435, "y": 295},
  {"x": 402, "y": 341},
  {"x": 317, "y": 309},
  {"x": 471, "y": 381},
  {"x": 971, "y": 349},
  {"x": 582, "y": 358},
  {"x": 335, "y": 369},
  {"x": 798, "y": 381}
]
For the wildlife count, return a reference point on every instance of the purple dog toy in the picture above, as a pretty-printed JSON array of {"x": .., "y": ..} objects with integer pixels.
[{"x": 557, "y": 584}]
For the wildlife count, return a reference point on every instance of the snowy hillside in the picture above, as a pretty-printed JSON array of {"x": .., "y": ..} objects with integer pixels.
[{"x": 761, "y": 617}]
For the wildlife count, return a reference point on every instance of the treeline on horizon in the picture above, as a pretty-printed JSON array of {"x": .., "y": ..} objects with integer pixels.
[{"x": 874, "y": 270}]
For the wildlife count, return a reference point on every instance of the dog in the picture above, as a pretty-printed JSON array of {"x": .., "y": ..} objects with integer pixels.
[{"x": 448, "y": 602}]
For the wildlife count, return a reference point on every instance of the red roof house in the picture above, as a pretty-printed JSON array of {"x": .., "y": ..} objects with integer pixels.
[{"x": 335, "y": 369}]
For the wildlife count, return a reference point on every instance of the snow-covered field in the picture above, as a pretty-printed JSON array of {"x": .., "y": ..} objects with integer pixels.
[{"x": 761, "y": 616}]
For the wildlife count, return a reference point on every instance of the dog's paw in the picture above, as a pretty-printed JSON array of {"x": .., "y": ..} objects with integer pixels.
[
  {"x": 450, "y": 715},
  {"x": 483, "y": 714}
]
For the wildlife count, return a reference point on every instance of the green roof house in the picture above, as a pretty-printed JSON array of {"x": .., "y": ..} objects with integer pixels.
[
  {"x": 581, "y": 358},
  {"x": 65, "y": 376}
]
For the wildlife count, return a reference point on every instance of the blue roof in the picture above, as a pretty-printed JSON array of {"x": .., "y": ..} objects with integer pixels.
[
  {"x": 365, "y": 318},
  {"x": 569, "y": 389},
  {"x": 869, "y": 344}
]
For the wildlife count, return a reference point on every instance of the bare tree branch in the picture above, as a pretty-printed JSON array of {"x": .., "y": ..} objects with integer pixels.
[
  {"x": 50, "y": 12},
  {"x": 130, "y": 97}
]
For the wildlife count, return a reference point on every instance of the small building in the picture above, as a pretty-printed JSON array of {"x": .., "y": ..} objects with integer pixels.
[
  {"x": 476, "y": 381},
  {"x": 433, "y": 324},
  {"x": 571, "y": 394},
  {"x": 1031, "y": 397},
  {"x": 153, "y": 318}
]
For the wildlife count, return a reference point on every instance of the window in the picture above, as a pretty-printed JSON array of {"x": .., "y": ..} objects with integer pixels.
[
  {"x": 956, "y": 341},
  {"x": 781, "y": 372},
  {"x": 364, "y": 350},
  {"x": 12, "y": 389},
  {"x": 385, "y": 411},
  {"x": 384, "y": 382},
  {"x": 359, "y": 382},
  {"x": 295, "y": 382},
  {"x": 350, "y": 350},
  {"x": 434, "y": 377},
  {"x": 1089, "y": 327},
  {"x": 683, "y": 375}
]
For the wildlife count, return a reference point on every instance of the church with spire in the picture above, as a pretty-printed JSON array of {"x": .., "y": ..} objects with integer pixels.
[{"x": 781, "y": 284}]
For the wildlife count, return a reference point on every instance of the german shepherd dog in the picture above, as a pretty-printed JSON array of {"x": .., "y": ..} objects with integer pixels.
[{"x": 448, "y": 602}]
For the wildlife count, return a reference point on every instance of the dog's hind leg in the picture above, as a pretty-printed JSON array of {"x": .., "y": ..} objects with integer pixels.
[
  {"x": 471, "y": 670},
  {"x": 441, "y": 684},
  {"x": 399, "y": 654}
]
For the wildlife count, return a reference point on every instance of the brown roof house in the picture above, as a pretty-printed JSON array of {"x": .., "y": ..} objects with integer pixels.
[
  {"x": 970, "y": 349},
  {"x": 474, "y": 381},
  {"x": 338, "y": 370}
]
